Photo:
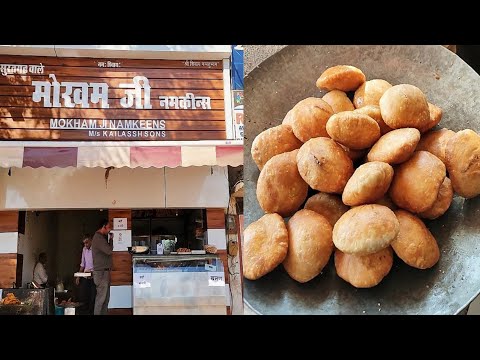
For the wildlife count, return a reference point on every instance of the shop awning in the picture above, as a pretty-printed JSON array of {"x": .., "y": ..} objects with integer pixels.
[{"x": 143, "y": 154}]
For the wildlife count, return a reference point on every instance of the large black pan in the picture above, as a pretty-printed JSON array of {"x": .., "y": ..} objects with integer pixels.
[{"x": 289, "y": 76}]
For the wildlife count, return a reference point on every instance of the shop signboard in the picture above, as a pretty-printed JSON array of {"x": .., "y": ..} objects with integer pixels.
[{"x": 77, "y": 99}]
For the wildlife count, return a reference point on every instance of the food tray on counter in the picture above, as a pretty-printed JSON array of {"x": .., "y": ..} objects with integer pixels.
[{"x": 82, "y": 274}]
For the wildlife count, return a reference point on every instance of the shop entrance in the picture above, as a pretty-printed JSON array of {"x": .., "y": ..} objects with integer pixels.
[{"x": 59, "y": 234}]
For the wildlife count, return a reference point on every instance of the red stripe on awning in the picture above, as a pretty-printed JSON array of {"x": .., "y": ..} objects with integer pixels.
[
  {"x": 49, "y": 157},
  {"x": 229, "y": 155},
  {"x": 147, "y": 156}
]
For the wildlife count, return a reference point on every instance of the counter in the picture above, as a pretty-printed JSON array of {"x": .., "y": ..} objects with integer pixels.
[{"x": 178, "y": 285}]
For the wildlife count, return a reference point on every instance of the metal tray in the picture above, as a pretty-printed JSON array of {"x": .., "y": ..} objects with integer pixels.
[{"x": 289, "y": 76}]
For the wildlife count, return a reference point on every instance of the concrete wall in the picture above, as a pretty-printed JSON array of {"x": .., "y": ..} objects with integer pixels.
[
  {"x": 84, "y": 188},
  {"x": 40, "y": 236}
]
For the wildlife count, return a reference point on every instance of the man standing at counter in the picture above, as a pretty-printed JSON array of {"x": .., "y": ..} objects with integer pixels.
[
  {"x": 87, "y": 287},
  {"x": 102, "y": 265}
]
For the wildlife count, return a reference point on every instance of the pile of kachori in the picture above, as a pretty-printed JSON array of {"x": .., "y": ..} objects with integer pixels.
[{"x": 376, "y": 162}]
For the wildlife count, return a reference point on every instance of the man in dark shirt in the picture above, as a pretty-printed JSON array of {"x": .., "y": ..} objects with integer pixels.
[{"x": 102, "y": 264}]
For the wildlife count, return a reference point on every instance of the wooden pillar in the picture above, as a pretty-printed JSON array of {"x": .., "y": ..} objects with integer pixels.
[
  {"x": 11, "y": 262},
  {"x": 122, "y": 275},
  {"x": 216, "y": 234}
]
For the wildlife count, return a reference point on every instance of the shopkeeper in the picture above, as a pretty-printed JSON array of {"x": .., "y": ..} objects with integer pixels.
[
  {"x": 87, "y": 290},
  {"x": 40, "y": 277}
]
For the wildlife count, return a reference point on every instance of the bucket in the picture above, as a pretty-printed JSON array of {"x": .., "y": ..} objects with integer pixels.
[{"x": 59, "y": 310}]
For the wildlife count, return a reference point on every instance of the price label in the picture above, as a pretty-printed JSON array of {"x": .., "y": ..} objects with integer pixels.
[
  {"x": 216, "y": 279},
  {"x": 120, "y": 223},
  {"x": 142, "y": 280}
]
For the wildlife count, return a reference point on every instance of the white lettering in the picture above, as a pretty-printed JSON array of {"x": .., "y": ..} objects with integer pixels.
[
  {"x": 134, "y": 92},
  {"x": 79, "y": 91},
  {"x": 189, "y": 101}
]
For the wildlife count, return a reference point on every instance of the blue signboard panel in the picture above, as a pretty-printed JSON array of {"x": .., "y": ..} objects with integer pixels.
[{"x": 237, "y": 67}]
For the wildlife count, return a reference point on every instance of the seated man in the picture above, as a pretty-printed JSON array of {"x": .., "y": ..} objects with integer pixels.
[
  {"x": 87, "y": 290},
  {"x": 40, "y": 277}
]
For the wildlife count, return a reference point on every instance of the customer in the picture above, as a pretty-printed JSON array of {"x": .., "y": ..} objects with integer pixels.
[
  {"x": 102, "y": 264},
  {"x": 87, "y": 288},
  {"x": 40, "y": 277}
]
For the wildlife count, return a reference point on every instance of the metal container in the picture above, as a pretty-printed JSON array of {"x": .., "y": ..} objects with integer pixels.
[{"x": 288, "y": 76}]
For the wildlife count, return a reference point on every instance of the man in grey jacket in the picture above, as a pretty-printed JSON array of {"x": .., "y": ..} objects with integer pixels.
[{"x": 102, "y": 265}]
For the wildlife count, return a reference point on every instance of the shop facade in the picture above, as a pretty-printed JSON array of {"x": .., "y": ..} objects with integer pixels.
[{"x": 118, "y": 129}]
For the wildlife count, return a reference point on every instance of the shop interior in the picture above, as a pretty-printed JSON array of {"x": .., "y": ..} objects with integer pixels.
[
  {"x": 187, "y": 226},
  {"x": 60, "y": 233}
]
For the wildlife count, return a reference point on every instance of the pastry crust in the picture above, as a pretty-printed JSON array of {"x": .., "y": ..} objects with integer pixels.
[
  {"x": 354, "y": 130},
  {"x": 280, "y": 188},
  {"x": 416, "y": 183},
  {"x": 370, "y": 92},
  {"x": 354, "y": 154},
  {"x": 338, "y": 101},
  {"x": 443, "y": 202},
  {"x": 395, "y": 147},
  {"x": 341, "y": 77},
  {"x": 435, "y": 142},
  {"x": 374, "y": 112},
  {"x": 463, "y": 163},
  {"x": 368, "y": 183},
  {"x": 310, "y": 245},
  {"x": 328, "y": 205},
  {"x": 324, "y": 165},
  {"x": 365, "y": 229},
  {"x": 309, "y": 117},
  {"x": 435, "y": 117},
  {"x": 415, "y": 244},
  {"x": 364, "y": 271},
  {"x": 404, "y": 106},
  {"x": 273, "y": 141},
  {"x": 265, "y": 246},
  {"x": 288, "y": 119},
  {"x": 386, "y": 201}
]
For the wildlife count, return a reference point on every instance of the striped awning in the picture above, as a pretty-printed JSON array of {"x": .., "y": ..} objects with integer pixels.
[{"x": 121, "y": 154}]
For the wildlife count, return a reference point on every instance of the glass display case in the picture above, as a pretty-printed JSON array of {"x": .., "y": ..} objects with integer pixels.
[
  {"x": 178, "y": 285},
  {"x": 27, "y": 302}
]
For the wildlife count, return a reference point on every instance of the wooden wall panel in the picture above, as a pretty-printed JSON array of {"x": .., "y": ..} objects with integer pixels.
[
  {"x": 124, "y": 63},
  {"x": 72, "y": 135},
  {"x": 117, "y": 213},
  {"x": 122, "y": 273},
  {"x": 8, "y": 270},
  {"x": 215, "y": 218},
  {"x": 75, "y": 79},
  {"x": 8, "y": 221},
  {"x": 120, "y": 311}
]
